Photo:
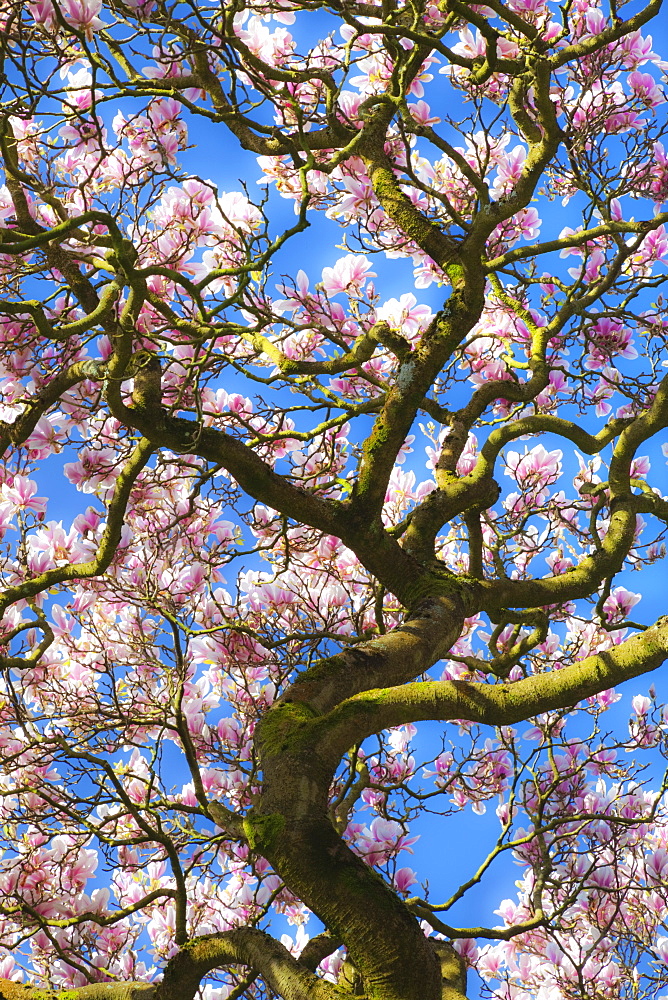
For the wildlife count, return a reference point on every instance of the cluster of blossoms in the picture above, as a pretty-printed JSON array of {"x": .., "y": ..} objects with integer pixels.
[{"x": 607, "y": 876}]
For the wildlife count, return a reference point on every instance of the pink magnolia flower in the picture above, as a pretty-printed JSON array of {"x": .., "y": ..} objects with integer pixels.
[
  {"x": 81, "y": 868},
  {"x": 161, "y": 929},
  {"x": 421, "y": 112},
  {"x": 82, "y": 15},
  {"x": 52, "y": 546},
  {"x": 403, "y": 879},
  {"x": 604, "y": 390},
  {"x": 490, "y": 962},
  {"x": 79, "y": 90},
  {"x": 272, "y": 47},
  {"x": 601, "y": 102},
  {"x": 645, "y": 87},
  {"x": 233, "y": 210},
  {"x": 558, "y": 563},
  {"x": 641, "y": 704},
  {"x": 382, "y": 840},
  {"x": 618, "y": 605},
  {"x": 416, "y": 88},
  {"x": 400, "y": 738},
  {"x": 656, "y": 867},
  {"x": 296, "y": 946},
  {"x": 47, "y": 436},
  {"x": 601, "y": 761},
  {"x": 405, "y": 315},
  {"x": 535, "y": 469},
  {"x": 356, "y": 197},
  {"x": 8, "y": 969},
  {"x": 348, "y": 104},
  {"x": 633, "y": 50},
  {"x": 524, "y": 225},
  {"x": 608, "y": 339},
  {"x": 590, "y": 269},
  {"x": 95, "y": 470},
  {"x": 640, "y": 466},
  {"x": 44, "y": 13},
  {"x": 348, "y": 274},
  {"x": 508, "y": 171},
  {"x": 7, "y": 210},
  {"x": 19, "y": 494},
  {"x": 653, "y": 249}
]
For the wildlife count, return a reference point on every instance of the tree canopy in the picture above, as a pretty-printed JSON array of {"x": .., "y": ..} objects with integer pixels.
[{"x": 310, "y": 517}]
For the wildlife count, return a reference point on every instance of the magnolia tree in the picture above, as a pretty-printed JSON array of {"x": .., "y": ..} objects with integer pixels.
[{"x": 309, "y": 517}]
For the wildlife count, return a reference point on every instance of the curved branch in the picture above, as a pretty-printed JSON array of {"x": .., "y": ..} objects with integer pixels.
[
  {"x": 596, "y": 42},
  {"x": 9, "y": 990},
  {"x": 487, "y": 704},
  {"x": 478, "y": 490},
  {"x": 243, "y": 946},
  {"x": 361, "y": 350},
  {"x": 400, "y": 209},
  {"x": 317, "y": 949},
  {"x": 576, "y": 239},
  {"x": 108, "y": 543},
  {"x": 540, "y": 423},
  {"x": 466, "y": 495},
  {"x": 379, "y": 552},
  {"x": 17, "y": 432},
  {"x": 617, "y": 542},
  {"x": 388, "y": 660},
  {"x": 415, "y": 377}
]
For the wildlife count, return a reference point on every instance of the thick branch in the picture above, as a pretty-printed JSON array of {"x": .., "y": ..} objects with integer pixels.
[
  {"x": 393, "y": 658},
  {"x": 381, "y": 554},
  {"x": 594, "y": 43},
  {"x": 318, "y": 949},
  {"x": 10, "y": 990},
  {"x": 400, "y": 209},
  {"x": 243, "y": 946},
  {"x": 18, "y": 431},
  {"x": 488, "y": 704}
]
